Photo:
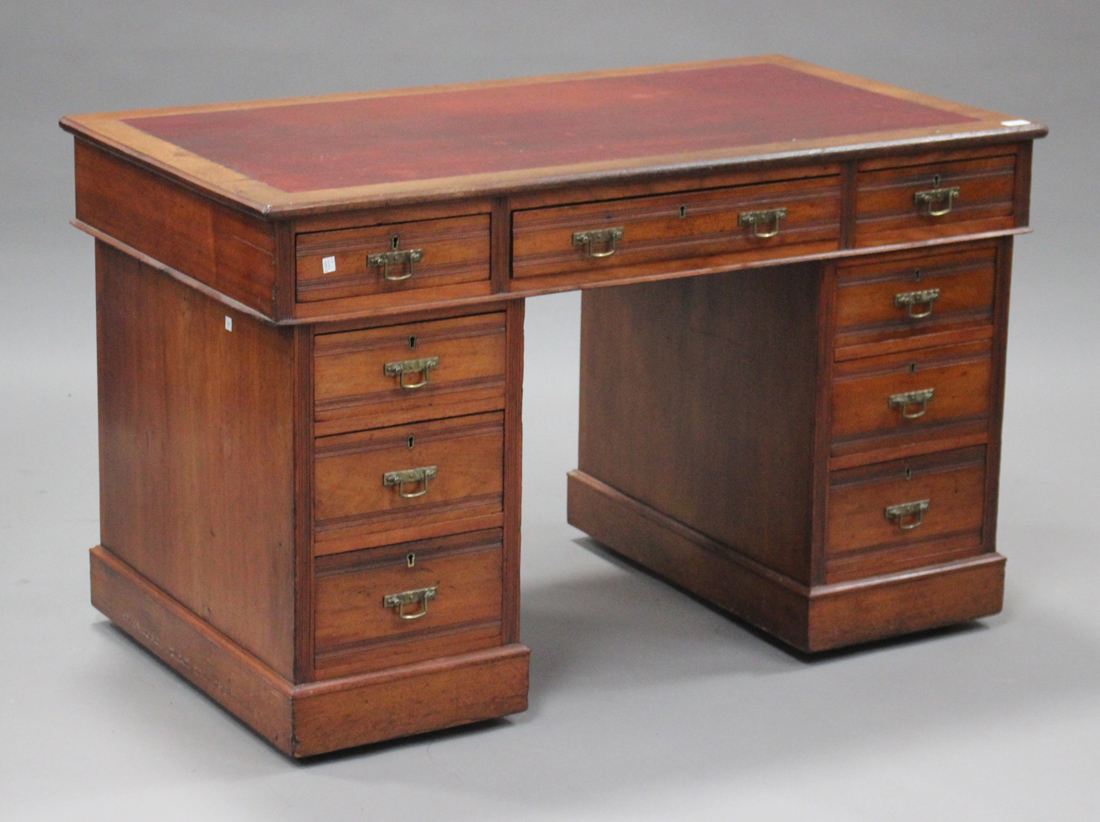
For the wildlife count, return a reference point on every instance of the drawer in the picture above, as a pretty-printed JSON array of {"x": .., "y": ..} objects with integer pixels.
[
  {"x": 904, "y": 514},
  {"x": 674, "y": 232},
  {"x": 903, "y": 299},
  {"x": 378, "y": 259},
  {"x": 391, "y": 606},
  {"x": 913, "y": 394},
  {"x": 403, "y": 373},
  {"x": 400, "y": 483},
  {"x": 921, "y": 198}
]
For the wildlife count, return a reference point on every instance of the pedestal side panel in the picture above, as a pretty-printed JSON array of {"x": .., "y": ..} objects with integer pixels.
[
  {"x": 196, "y": 452},
  {"x": 697, "y": 399}
]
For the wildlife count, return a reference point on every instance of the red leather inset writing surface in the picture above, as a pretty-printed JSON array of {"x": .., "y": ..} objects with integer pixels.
[{"x": 306, "y": 146}]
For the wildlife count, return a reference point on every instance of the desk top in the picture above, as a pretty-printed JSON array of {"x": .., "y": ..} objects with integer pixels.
[{"x": 297, "y": 156}]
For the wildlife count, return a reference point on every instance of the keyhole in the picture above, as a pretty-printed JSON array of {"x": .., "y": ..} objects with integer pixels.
[
  {"x": 908, "y": 476},
  {"x": 912, "y": 368},
  {"x": 683, "y": 211},
  {"x": 395, "y": 240},
  {"x": 412, "y": 341},
  {"x": 916, "y": 275},
  {"x": 411, "y": 559},
  {"x": 935, "y": 184},
  {"x": 412, "y": 442}
]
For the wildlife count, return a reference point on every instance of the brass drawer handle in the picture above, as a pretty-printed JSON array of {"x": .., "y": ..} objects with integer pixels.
[
  {"x": 413, "y": 476},
  {"x": 399, "y": 601},
  {"x": 608, "y": 238},
  {"x": 908, "y": 515},
  {"x": 936, "y": 201},
  {"x": 912, "y": 404},
  {"x": 424, "y": 367},
  {"x": 407, "y": 258},
  {"x": 756, "y": 219},
  {"x": 913, "y": 299}
]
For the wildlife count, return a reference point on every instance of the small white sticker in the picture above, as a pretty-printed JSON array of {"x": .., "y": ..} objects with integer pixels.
[
  {"x": 228, "y": 323},
  {"x": 1015, "y": 122},
  {"x": 328, "y": 265}
]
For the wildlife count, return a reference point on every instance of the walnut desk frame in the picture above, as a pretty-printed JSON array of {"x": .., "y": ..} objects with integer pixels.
[{"x": 310, "y": 331}]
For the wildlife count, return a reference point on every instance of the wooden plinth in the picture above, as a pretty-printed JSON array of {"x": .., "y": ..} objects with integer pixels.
[
  {"x": 317, "y": 717},
  {"x": 816, "y": 618}
]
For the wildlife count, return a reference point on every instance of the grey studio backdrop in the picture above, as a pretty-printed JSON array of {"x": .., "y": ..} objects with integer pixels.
[{"x": 644, "y": 703}]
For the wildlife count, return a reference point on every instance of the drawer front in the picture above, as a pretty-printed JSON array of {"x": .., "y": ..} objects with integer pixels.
[
  {"x": 672, "y": 232},
  {"x": 904, "y": 298},
  {"x": 913, "y": 393},
  {"x": 403, "y": 373},
  {"x": 392, "y": 606},
  {"x": 394, "y": 257},
  {"x": 948, "y": 196},
  {"x": 376, "y": 487},
  {"x": 906, "y": 513}
]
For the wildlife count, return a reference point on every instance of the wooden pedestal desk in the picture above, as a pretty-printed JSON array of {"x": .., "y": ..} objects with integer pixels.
[{"x": 310, "y": 330}]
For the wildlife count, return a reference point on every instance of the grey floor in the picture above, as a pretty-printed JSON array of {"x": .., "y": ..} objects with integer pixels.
[{"x": 644, "y": 703}]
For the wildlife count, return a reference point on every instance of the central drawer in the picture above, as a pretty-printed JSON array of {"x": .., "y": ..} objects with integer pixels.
[
  {"x": 678, "y": 232},
  {"x": 405, "y": 482}
]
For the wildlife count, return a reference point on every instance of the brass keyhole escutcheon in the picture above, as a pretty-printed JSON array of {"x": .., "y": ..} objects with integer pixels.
[
  {"x": 412, "y": 442},
  {"x": 916, "y": 275},
  {"x": 411, "y": 559},
  {"x": 412, "y": 341},
  {"x": 683, "y": 211},
  {"x": 395, "y": 241},
  {"x": 912, "y": 368}
]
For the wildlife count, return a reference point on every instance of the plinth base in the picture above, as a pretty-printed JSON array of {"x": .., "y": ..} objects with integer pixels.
[
  {"x": 316, "y": 717},
  {"x": 809, "y": 618}
]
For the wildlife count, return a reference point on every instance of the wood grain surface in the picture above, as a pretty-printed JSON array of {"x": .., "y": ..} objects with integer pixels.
[
  {"x": 354, "y": 509},
  {"x": 869, "y": 321},
  {"x": 698, "y": 398},
  {"x": 196, "y": 452},
  {"x": 689, "y": 229},
  {"x": 220, "y": 247},
  {"x": 454, "y": 250},
  {"x": 886, "y": 211},
  {"x": 813, "y": 619},
  {"x": 313, "y": 718},
  {"x": 953, "y": 482},
  {"x": 958, "y": 375},
  {"x": 356, "y": 632},
  {"x": 352, "y": 391}
]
